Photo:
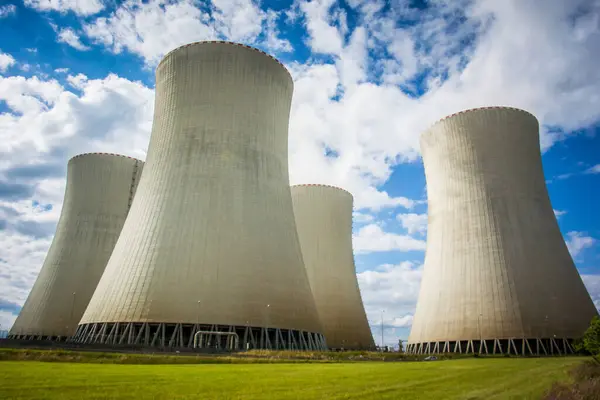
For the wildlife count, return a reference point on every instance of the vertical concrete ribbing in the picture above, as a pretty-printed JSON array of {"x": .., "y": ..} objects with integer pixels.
[
  {"x": 213, "y": 219},
  {"x": 494, "y": 247},
  {"x": 96, "y": 203},
  {"x": 324, "y": 222}
]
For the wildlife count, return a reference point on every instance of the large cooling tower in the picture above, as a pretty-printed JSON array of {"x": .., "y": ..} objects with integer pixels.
[
  {"x": 99, "y": 191},
  {"x": 209, "y": 252},
  {"x": 324, "y": 223},
  {"x": 498, "y": 276}
]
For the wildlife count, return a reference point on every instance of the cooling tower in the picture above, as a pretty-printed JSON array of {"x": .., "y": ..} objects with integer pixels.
[
  {"x": 498, "y": 277},
  {"x": 324, "y": 223},
  {"x": 209, "y": 255},
  {"x": 99, "y": 191}
]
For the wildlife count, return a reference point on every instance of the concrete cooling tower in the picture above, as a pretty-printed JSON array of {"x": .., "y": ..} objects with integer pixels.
[
  {"x": 324, "y": 223},
  {"x": 99, "y": 191},
  {"x": 209, "y": 255},
  {"x": 498, "y": 277}
]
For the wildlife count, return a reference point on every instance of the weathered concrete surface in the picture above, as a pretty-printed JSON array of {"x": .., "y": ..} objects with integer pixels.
[
  {"x": 324, "y": 223},
  {"x": 211, "y": 236},
  {"x": 99, "y": 191},
  {"x": 496, "y": 265}
]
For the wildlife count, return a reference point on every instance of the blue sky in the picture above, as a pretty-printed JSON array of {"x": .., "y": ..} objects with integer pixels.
[{"x": 77, "y": 76}]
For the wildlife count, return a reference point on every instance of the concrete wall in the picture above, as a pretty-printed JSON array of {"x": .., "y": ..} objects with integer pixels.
[
  {"x": 211, "y": 236},
  {"x": 496, "y": 265},
  {"x": 99, "y": 191},
  {"x": 324, "y": 223}
]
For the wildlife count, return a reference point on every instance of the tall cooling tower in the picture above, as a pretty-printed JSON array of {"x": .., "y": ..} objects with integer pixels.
[
  {"x": 498, "y": 276},
  {"x": 99, "y": 191},
  {"x": 324, "y": 222},
  {"x": 209, "y": 255}
]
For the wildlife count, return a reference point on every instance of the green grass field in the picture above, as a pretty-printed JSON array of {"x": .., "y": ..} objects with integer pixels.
[{"x": 500, "y": 378}]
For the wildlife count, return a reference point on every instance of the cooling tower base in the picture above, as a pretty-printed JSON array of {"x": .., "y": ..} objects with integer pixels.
[
  {"x": 227, "y": 337},
  {"x": 38, "y": 337},
  {"x": 526, "y": 347}
]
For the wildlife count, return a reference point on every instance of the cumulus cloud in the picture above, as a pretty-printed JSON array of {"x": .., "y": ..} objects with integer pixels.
[
  {"x": 7, "y": 10},
  {"x": 361, "y": 218},
  {"x": 6, "y": 61},
  {"x": 79, "y": 7},
  {"x": 273, "y": 41},
  {"x": 150, "y": 29},
  {"x": 390, "y": 293},
  {"x": 577, "y": 242},
  {"x": 20, "y": 261},
  {"x": 70, "y": 37},
  {"x": 47, "y": 124},
  {"x": 371, "y": 238},
  {"x": 592, "y": 282},
  {"x": 238, "y": 20},
  {"x": 324, "y": 37},
  {"x": 413, "y": 223}
]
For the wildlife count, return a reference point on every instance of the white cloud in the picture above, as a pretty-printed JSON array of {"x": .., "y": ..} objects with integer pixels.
[
  {"x": 61, "y": 70},
  {"x": 402, "y": 322},
  {"x": 151, "y": 29},
  {"x": 593, "y": 170},
  {"x": 371, "y": 238},
  {"x": 7, "y": 10},
  {"x": 70, "y": 37},
  {"x": 6, "y": 61},
  {"x": 577, "y": 242},
  {"x": 413, "y": 223},
  {"x": 393, "y": 289},
  {"x": 592, "y": 283},
  {"x": 360, "y": 218},
  {"x": 7, "y": 319},
  {"x": 238, "y": 20},
  {"x": 323, "y": 36},
  {"x": 79, "y": 7},
  {"x": 559, "y": 213},
  {"x": 21, "y": 259},
  {"x": 274, "y": 42}
]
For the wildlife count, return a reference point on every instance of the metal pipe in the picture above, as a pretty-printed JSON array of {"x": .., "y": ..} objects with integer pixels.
[{"x": 201, "y": 333}]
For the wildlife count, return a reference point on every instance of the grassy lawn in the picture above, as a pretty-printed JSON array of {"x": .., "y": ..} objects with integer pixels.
[{"x": 500, "y": 378}]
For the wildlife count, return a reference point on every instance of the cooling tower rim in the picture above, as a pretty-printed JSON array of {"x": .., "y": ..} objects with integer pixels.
[
  {"x": 224, "y": 42},
  {"x": 103, "y": 154},
  {"x": 471, "y": 110},
  {"x": 321, "y": 185}
]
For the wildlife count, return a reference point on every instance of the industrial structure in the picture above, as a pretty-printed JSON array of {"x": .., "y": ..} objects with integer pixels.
[
  {"x": 99, "y": 191},
  {"x": 209, "y": 255},
  {"x": 324, "y": 222},
  {"x": 498, "y": 276}
]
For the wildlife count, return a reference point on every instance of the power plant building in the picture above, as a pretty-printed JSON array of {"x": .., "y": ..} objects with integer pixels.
[
  {"x": 209, "y": 255},
  {"x": 324, "y": 222},
  {"x": 99, "y": 191},
  {"x": 498, "y": 276}
]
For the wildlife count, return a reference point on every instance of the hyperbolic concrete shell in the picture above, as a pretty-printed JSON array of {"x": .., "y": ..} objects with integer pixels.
[
  {"x": 496, "y": 265},
  {"x": 99, "y": 191},
  {"x": 211, "y": 237},
  {"x": 324, "y": 222}
]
